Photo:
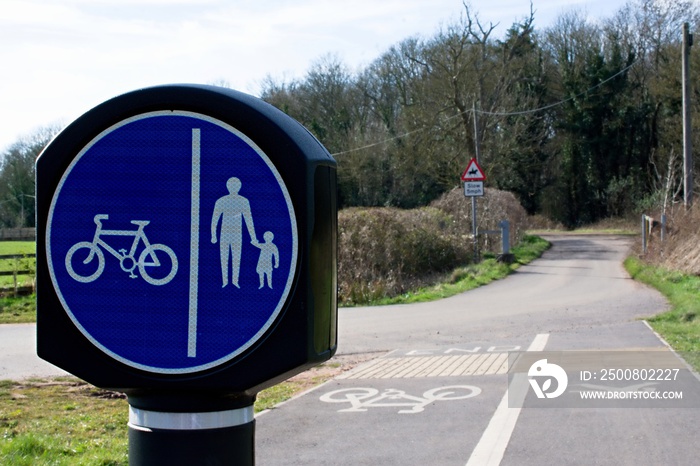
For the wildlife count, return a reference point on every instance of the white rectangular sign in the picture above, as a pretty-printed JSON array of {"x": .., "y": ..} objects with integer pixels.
[{"x": 473, "y": 188}]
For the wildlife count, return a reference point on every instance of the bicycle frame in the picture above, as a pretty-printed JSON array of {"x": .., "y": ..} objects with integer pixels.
[
  {"x": 138, "y": 234},
  {"x": 127, "y": 261}
]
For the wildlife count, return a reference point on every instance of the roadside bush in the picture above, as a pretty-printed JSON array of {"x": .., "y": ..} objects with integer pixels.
[
  {"x": 492, "y": 208},
  {"x": 384, "y": 252}
]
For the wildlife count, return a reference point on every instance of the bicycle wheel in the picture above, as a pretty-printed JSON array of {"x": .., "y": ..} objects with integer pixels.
[
  {"x": 349, "y": 395},
  {"x": 452, "y": 392},
  {"x": 85, "y": 253},
  {"x": 160, "y": 255}
]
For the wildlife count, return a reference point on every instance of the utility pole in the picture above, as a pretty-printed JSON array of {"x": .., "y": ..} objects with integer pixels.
[
  {"x": 477, "y": 149},
  {"x": 687, "y": 129}
]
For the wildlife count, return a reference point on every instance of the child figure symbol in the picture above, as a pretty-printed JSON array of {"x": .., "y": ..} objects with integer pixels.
[{"x": 269, "y": 255}]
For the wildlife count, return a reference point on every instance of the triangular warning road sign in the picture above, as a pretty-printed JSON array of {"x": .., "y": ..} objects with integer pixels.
[{"x": 473, "y": 172}]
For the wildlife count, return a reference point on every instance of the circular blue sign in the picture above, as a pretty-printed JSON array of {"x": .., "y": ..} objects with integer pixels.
[{"x": 172, "y": 242}]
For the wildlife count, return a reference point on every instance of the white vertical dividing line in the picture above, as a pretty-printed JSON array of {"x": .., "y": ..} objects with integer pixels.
[
  {"x": 494, "y": 441},
  {"x": 194, "y": 247}
]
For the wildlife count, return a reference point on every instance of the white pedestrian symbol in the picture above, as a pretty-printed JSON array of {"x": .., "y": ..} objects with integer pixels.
[
  {"x": 232, "y": 209},
  {"x": 268, "y": 252},
  {"x": 87, "y": 252}
]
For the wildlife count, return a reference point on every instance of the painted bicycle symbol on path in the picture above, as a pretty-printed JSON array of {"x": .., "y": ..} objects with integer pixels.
[
  {"x": 361, "y": 399},
  {"x": 151, "y": 262}
]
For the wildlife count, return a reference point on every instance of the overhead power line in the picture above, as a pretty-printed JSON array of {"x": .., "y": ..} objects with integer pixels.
[{"x": 517, "y": 113}]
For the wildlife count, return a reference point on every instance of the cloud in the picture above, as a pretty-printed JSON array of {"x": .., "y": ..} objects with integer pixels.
[{"x": 61, "y": 57}]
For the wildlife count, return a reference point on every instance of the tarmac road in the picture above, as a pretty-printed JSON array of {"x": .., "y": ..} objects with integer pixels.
[
  {"x": 18, "y": 359},
  {"x": 578, "y": 284},
  {"x": 426, "y": 403}
]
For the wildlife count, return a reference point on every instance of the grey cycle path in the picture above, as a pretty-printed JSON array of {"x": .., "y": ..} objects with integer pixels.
[{"x": 577, "y": 294}]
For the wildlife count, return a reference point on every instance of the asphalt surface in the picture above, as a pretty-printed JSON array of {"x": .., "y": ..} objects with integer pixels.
[
  {"x": 18, "y": 359},
  {"x": 414, "y": 408},
  {"x": 579, "y": 283},
  {"x": 442, "y": 393}
]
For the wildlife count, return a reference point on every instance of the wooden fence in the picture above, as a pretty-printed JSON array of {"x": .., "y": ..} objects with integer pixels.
[
  {"x": 16, "y": 272},
  {"x": 17, "y": 234},
  {"x": 650, "y": 225}
]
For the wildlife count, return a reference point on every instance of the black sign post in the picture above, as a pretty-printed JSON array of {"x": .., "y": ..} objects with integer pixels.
[{"x": 186, "y": 256}]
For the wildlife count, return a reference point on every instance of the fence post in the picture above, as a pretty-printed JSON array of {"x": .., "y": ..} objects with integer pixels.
[
  {"x": 505, "y": 235},
  {"x": 15, "y": 269},
  {"x": 14, "y": 276},
  {"x": 505, "y": 256},
  {"x": 644, "y": 234}
]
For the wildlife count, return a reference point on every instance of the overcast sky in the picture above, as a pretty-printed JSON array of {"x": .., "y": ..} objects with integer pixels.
[{"x": 60, "y": 58}]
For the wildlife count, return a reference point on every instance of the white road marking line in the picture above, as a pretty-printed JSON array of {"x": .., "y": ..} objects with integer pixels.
[{"x": 492, "y": 445}]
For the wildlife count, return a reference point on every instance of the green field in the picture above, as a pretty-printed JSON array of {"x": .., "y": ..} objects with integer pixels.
[
  {"x": 17, "y": 247},
  {"x": 18, "y": 264}
]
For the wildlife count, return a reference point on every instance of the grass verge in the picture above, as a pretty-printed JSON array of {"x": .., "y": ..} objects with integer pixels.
[
  {"x": 61, "y": 422},
  {"x": 67, "y": 422},
  {"x": 470, "y": 277},
  {"x": 16, "y": 310},
  {"x": 680, "y": 326}
]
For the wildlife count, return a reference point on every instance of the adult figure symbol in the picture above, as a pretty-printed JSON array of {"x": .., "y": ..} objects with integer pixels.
[{"x": 233, "y": 209}]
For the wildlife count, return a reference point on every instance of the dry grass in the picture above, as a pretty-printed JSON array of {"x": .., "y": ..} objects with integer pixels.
[{"x": 681, "y": 250}]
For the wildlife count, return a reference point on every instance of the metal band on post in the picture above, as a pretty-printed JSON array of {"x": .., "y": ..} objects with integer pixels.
[
  {"x": 167, "y": 438},
  {"x": 144, "y": 419}
]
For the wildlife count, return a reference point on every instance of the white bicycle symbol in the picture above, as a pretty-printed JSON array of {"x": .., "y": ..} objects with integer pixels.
[
  {"x": 147, "y": 258},
  {"x": 362, "y": 398}
]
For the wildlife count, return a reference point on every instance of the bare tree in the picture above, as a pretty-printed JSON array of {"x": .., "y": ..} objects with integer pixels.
[{"x": 17, "y": 177}]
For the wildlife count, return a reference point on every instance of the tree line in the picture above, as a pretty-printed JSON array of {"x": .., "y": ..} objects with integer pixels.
[
  {"x": 581, "y": 120},
  {"x": 17, "y": 178}
]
